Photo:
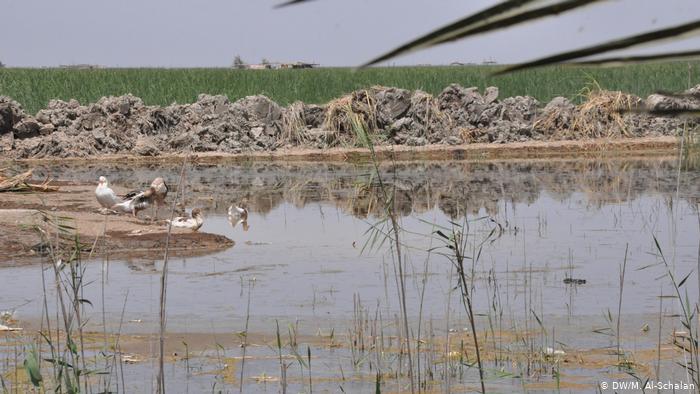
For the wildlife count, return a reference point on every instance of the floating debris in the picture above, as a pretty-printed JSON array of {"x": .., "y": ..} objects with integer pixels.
[
  {"x": 264, "y": 378},
  {"x": 574, "y": 281},
  {"x": 251, "y": 243},
  {"x": 20, "y": 183},
  {"x": 131, "y": 358},
  {"x": 548, "y": 351}
]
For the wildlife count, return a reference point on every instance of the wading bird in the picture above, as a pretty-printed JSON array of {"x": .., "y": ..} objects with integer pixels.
[{"x": 238, "y": 215}]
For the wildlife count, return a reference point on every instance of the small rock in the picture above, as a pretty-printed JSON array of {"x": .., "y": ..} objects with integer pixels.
[
  {"x": 182, "y": 140},
  {"x": 99, "y": 134},
  {"x": 146, "y": 146},
  {"x": 124, "y": 108},
  {"x": 490, "y": 94},
  {"x": 6, "y": 141},
  {"x": 659, "y": 102},
  {"x": 256, "y": 132},
  {"x": 10, "y": 113},
  {"x": 260, "y": 108},
  {"x": 314, "y": 115},
  {"x": 416, "y": 141},
  {"x": 27, "y": 128},
  {"x": 453, "y": 140},
  {"x": 392, "y": 104},
  {"x": 402, "y": 124},
  {"x": 46, "y": 129}
]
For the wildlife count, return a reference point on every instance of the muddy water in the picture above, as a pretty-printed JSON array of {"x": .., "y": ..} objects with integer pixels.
[{"x": 304, "y": 259}]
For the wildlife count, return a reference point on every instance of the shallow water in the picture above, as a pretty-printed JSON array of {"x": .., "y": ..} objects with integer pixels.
[{"x": 303, "y": 260}]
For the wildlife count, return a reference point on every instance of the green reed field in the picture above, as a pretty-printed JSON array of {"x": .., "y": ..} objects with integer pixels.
[{"x": 33, "y": 88}]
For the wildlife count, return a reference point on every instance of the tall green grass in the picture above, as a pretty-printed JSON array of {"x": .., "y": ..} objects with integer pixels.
[{"x": 33, "y": 88}]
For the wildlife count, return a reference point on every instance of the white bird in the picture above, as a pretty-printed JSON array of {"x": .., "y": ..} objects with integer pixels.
[
  {"x": 238, "y": 215},
  {"x": 105, "y": 195},
  {"x": 193, "y": 223},
  {"x": 238, "y": 212},
  {"x": 135, "y": 202}
]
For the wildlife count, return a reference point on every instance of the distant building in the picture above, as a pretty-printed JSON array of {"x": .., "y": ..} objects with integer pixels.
[{"x": 258, "y": 66}]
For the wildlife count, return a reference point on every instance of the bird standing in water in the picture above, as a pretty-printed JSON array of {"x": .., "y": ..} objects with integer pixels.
[{"x": 238, "y": 215}]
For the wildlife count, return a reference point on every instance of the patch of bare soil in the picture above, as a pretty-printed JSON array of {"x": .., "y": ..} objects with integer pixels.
[{"x": 113, "y": 235}]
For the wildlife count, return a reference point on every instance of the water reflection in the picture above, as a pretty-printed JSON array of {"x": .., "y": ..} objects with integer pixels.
[{"x": 456, "y": 188}]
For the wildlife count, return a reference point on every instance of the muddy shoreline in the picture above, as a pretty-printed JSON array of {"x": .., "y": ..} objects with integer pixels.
[
  {"x": 589, "y": 148},
  {"x": 112, "y": 236}
]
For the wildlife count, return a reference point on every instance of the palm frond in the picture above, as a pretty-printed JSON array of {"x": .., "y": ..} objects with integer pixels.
[
  {"x": 525, "y": 16},
  {"x": 509, "y": 13},
  {"x": 291, "y": 2},
  {"x": 454, "y": 28},
  {"x": 622, "y": 43},
  {"x": 615, "y": 61}
]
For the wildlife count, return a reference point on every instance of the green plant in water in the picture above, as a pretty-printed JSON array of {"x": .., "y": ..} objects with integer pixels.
[
  {"x": 393, "y": 234},
  {"x": 31, "y": 365}
]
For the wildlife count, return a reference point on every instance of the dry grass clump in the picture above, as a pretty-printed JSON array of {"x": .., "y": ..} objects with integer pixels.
[
  {"x": 601, "y": 115},
  {"x": 426, "y": 105},
  {"x": 556, "y": 122},
  {"x": 359, "y": 105},
  {"x": 425, "y": 109},
  {"x": 468, "y": 134},
  {"x": 294, "y": 124}
]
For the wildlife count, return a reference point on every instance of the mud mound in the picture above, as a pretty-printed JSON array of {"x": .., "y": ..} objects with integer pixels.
[{"x": 124, "y": 124}]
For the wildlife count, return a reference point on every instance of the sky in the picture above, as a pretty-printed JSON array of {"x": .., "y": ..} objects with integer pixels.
[{"x": 210, "y": 33}]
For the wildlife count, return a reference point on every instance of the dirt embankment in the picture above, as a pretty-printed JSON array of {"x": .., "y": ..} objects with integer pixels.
[
  {"x": 391, "y": 116},
  {"x": 24, "y": 215}
]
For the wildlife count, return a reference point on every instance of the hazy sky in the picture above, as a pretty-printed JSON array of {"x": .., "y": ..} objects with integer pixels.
[{"x": 209, "y": 33}]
